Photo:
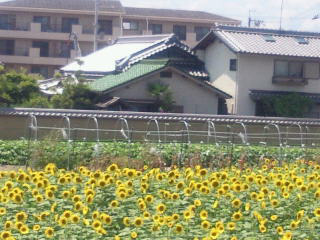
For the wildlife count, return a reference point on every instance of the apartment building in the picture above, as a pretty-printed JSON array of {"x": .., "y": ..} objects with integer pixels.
[{"x": 39, "y": 34}]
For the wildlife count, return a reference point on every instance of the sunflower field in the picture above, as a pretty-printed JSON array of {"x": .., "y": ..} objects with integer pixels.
[{"x": 267, "y": 202}]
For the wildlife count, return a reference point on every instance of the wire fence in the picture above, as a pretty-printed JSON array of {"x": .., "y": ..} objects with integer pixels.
[
  {"x": 155, "y": 131},
  {"x": 183, "y": 133}
]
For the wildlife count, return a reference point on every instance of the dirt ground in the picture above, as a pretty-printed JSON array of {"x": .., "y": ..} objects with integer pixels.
[{"x": 11, "y": 168}]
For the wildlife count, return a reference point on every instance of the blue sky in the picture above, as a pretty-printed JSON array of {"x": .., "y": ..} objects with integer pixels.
[{"x": 297, "y": 14}]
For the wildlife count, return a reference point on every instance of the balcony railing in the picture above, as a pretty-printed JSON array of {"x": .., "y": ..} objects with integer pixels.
[
  {"x": 13, "y": 27},
  {"x": 34, "y": 52},
  {"x": 289, "y": 80},
  {"x": 55, "y": 28},
  {"x": 15, "y": 52}
]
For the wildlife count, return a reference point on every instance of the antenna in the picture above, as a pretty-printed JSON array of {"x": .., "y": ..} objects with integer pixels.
[
  {"x": 256, "y": 22},
  {"x": 281, "y": 14}
]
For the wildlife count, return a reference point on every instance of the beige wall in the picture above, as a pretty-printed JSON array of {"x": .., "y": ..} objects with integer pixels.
[
  {"x": 26, "y": 31},
  {"x": 256, "y": 72},
  {"x": 187, "y": 93},
  {"x": 217, "y": 59},
  {"x": 15, "y": 127}
]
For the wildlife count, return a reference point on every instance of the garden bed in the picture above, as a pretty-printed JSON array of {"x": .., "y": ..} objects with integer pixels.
[{"x": 265, "y": 202}]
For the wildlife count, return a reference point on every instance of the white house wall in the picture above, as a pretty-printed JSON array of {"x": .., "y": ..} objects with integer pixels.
[
  {"x": 217, "y": 60},
  {"x": 194, "y": 97},
  {"x": 256, "y": 72}
]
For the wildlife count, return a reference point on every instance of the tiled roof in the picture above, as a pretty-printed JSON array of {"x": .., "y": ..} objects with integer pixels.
[
  {"x": 169, "y": 42},
  {"x": 252, "y": 41},
  {"x": 23, "y": 112},
  {"x": 104, "y": 60},
  {"x": 146, "y": 67},
  {"x": 125, "y": 52},
  {"x": 88, "y": 5},
  {"x": 258, "y": 94},
  {"x": 136, "y": 71},
  {"x": 172, "y": 13}
]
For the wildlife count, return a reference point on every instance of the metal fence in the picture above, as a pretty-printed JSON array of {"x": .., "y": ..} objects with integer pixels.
[{"x": 178, "y": 131}]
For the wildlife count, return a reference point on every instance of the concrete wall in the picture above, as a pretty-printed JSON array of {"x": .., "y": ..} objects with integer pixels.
[
  {"x": 256, "y": 72},
  {"x": 16, "y": 127},
  {"x": 194, "y": 98},
  {"x": 217, "y": 59}
]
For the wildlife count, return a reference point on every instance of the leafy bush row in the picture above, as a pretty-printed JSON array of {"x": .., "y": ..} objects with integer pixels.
[{"x": 75, "y": 153}]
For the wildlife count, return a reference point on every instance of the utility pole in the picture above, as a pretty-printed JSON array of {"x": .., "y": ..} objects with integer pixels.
[
  {"x": 249, "y": 19},
  {"x": 96, "y": 16},
  {"x": 281, "y": 14}
]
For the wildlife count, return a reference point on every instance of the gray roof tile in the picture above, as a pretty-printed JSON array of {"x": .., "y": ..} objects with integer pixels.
[
  {"x": 249, "y": 40},
  {"x": 177, "y": 116}
]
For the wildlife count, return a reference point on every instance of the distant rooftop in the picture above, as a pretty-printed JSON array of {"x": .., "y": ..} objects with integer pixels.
[
  {"x": 267, "y": 31},
  {"x": 265, "y": 41},
  {"x": 116, "y": 7},
  {"x": 172, "y": 13},
  {"x": 88, "y": 5}
]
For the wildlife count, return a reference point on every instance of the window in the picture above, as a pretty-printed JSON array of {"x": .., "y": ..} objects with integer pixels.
[
  {"x": 288, "y": 69},
  {"x": 7, "y": 22},
  {"x": 105, "y": 27},
  {"x": 67, "y": 24},
  {"x": 45, "y": 23},
  {"x": 65, "y": 50},
  {"x": 42, "y": 70},
  {"x": 44, "y": 47},
  {"x": 156, "y": 28},
  {"x": 301, "y": 40},
  {"x": 130, "y": 25},
  {"x": 180, "y": 31},
  {"x": 7, "y": 47},
  {"x": 268, "y": 38},
  {"x": 166, "y": 74},
  {"x": 102, "y": 45},
  {"x": 201, "y": 32},
  {"x": 233, "y": 65}
]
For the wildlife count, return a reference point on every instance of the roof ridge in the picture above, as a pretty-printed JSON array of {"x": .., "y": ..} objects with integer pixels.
[
  {"x": 265, "y": 31},
  {"x": 171, "y": 9}
]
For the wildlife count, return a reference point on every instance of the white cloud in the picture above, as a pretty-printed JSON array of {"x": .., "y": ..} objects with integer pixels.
[{"x": 297, "y": 14}]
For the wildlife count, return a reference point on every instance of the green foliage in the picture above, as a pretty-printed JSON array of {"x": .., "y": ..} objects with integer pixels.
[
  {"x": 162, "y": 95},
  {"x": 291, "y": 105},
  {"x": 37, "y": 101},
  {"x": 75, "y": 96},
  {"x": 40, "y": 153},
  {"x": 16, "y": 88}
]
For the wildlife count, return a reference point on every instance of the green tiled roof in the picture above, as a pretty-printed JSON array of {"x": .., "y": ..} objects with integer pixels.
[{"x": 136, "y": 71}]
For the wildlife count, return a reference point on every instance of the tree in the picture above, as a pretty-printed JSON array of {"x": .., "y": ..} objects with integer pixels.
[
  {"x": 290, "y": 105},
  {"x": 163, "y": 96},
  {"x": 75, "y": 96},
  {"x": 17, "y": 88}
]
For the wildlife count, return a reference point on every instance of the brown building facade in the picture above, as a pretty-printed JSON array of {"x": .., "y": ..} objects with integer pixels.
[{"x": 35, "y": 34}]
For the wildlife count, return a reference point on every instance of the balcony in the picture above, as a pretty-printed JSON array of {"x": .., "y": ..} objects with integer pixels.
[
  {"x": 32, "y": 56},
  {"x": 38, "y": 31},
  {"x": 13, "y": 27},
  {"x": 289, "y": 81}
]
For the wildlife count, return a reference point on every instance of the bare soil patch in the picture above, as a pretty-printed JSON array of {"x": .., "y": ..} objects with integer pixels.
[{"x": 11, "y": 168}]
